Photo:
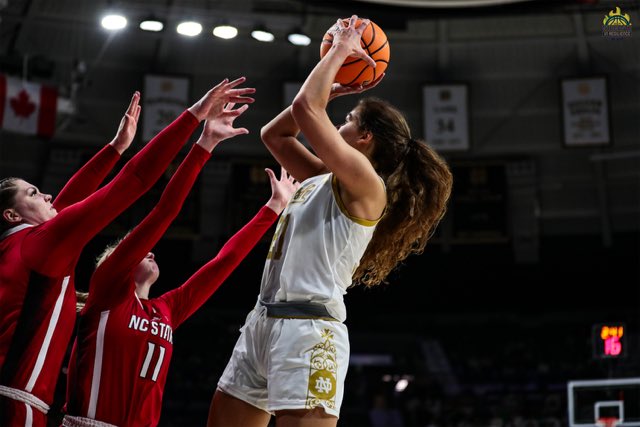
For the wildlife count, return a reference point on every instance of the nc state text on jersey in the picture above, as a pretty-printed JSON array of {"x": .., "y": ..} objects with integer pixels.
[{"x": 160, "y": 329}]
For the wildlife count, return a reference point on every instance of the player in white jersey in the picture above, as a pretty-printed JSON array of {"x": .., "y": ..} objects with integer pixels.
[{"x": 370, "y": 195}]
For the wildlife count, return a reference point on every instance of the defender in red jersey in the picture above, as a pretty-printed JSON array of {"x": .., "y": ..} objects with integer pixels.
[
  {"x": 121, "y": 355},
  {"x": 41, "y": 241}
]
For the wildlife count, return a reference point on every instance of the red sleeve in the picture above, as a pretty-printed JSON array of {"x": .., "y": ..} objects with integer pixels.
[
  {"x": 186, "y": 299},
  {"x": 52, "y": 247},
  {"x": 84, "y": 182},
  {"x": 111, "y": 281}
]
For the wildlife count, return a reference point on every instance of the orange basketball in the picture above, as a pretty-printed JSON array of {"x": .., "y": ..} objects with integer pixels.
[{"x": 354, "y": 71}]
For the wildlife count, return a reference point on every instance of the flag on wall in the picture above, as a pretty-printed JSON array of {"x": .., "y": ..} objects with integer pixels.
[{"x": 27, "y": 108}]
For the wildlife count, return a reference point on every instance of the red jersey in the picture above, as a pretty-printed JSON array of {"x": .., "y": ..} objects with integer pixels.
[
  {"x": 121, "y": 355},
  {"x": 37, "y": 295}
]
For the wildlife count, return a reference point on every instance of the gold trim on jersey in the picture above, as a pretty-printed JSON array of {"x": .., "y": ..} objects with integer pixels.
[
  {"x": 323, "y": 370},
  {"x": 343, "y": 208}
]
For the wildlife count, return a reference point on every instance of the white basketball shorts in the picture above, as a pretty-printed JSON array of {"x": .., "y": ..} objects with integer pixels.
[{"x": 288, "y": 363}]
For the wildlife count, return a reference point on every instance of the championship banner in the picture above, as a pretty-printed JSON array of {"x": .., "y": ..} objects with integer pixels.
[
  {"x": 446, "y": 117},
  {"x": 585, "y": 112},
  {"x": 165, "y": 98},
  {"x": 27, "y": 108}
]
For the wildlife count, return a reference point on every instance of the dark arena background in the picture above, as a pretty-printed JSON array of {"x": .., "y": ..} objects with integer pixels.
[{"x": 524, "y": 309}]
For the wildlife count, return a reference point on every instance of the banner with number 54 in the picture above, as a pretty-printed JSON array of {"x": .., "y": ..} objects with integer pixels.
[{"x": 446, "y": 117}]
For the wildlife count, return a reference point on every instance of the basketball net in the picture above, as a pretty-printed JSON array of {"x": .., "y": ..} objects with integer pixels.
[{"x": 608, "y": 422}]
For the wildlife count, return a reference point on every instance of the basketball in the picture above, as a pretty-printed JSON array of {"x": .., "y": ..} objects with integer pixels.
[{"x": 355, "y": 71}]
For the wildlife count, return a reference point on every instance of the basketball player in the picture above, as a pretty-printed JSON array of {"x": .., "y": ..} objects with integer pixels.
[
  {"x": 123, "y": 349},
  {"x": 41, "y": 241},
  {"x": 372, "y": 196}
]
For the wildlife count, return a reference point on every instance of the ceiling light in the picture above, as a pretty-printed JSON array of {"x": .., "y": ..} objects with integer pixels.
[
  {"x": 261, "y": 34},
  {"x": 114, "y": 22},
  {"x": 298, "y": 38},
  {"x": 152, "y": 24},
  {"x": 225, "y": 31},
  {"x": 401, "y": 385},
  {"x": 189, "y": 28}
]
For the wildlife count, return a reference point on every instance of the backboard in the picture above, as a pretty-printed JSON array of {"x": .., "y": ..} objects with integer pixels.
[{"x": 592, "y": 400}]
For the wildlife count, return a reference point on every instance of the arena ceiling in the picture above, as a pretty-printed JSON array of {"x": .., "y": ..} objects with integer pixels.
[
  {"x": 60, "y": 42},
  {"x": 34, "y": 32}
]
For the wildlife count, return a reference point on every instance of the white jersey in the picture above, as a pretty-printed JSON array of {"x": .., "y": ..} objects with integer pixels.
[{"x": 316, "y": 248}]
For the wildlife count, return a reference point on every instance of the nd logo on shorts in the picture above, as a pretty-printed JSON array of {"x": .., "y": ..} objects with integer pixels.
[
  {"x": 322, "y": 384},
  {"x": 322, "y": 373}
]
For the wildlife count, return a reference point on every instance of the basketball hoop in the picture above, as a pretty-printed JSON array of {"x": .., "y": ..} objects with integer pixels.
[{"x": 607, "y": 421}]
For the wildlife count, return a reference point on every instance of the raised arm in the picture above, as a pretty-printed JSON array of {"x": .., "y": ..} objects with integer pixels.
[
  {"x": 54, "y": 246},
  {"x": 84, "y": 182},
  {"x": 186, "y": 299},
  {"x": 357, "y": 178},
  {"x": 110, "y": 283},
  {"x": 280, "y": 138}
]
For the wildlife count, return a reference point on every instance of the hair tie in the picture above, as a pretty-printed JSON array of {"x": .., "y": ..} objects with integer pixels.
[{"x": 410, "y": 144}]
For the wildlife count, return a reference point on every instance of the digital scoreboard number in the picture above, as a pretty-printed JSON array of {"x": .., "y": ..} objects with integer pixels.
[{"x": 609, "y": 340}]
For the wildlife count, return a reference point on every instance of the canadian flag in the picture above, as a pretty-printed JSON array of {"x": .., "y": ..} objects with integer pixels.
[{"x": 27, "y": 108}]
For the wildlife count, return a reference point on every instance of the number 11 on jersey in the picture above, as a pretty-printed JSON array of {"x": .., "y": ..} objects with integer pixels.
[{"x": 151, "y": 347}]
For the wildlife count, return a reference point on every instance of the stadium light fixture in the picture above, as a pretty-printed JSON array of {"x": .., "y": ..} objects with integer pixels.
[
  {"x": 225, "y": 31},
  {"x": 261, "y": 34},
  {"x": 113, "y": 22},
  {"x": 299, "y": 38},
  {"x": 189, "y": 28}
]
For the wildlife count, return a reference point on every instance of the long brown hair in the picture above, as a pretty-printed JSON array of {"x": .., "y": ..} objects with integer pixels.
[
  {"x": 418, "y": 185},
  {"x": 8, "y": 191}
]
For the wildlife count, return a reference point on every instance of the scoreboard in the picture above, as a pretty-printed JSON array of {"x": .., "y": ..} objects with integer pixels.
[{"x": 609, "y": 340}]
